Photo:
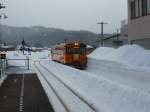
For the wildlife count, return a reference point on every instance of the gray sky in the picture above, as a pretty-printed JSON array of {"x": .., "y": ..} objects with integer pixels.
[{"x": 66, "y": 14}]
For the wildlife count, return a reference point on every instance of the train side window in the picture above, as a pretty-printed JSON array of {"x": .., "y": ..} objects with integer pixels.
[{"x": 82, "y": 50}]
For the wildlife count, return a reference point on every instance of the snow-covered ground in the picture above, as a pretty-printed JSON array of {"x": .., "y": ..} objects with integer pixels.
[
  {"x": 106, "y": 95},
  {"x": 130, "y": 55},
  {"x": 136, "y": 78},
  {"x": 116, "y": 80},
  {"x": 71, "y": 101},
  {"x": 127, "y": 65}
]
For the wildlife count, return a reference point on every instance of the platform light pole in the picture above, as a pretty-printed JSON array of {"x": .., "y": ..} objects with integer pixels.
[
  {"x": 3, "y": 61},
  {"x": 102, "y": 32},
  {"x": 117, "y": 37},
  {"x": 2, "y": 15}
]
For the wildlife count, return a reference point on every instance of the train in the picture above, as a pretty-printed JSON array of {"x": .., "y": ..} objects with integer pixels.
[{"x": 73, "y": 54}]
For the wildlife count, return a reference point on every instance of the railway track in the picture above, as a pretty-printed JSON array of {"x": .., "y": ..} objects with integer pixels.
[{"x": 52, "y": 80}]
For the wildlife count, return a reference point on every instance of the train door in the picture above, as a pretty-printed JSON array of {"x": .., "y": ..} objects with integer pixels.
[
  {"x": 76, "y": 56},
  {"x": 69, "y": 54}
]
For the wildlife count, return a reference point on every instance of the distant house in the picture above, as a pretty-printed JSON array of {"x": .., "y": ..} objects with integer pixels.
[
  {"x": 139, "y": 22},
  {"x": 7, "y": 48}
]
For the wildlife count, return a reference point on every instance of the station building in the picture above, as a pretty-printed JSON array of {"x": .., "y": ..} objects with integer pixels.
[{"x": 139, "y": 22}]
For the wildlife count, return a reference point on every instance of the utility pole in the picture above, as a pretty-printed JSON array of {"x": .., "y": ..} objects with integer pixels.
[
  {"x": 102, "y": 32},
  {"x": 117, "y": 37},
  {"x": 23, "y": 45}
]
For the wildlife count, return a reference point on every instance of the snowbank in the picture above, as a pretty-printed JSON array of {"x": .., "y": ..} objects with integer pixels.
[
  {"x": 104, "y": 93},
  {"x": 45, "y": 54},
  {"x": 129, "y": 54},
  {"x": 133, "y": 77}
]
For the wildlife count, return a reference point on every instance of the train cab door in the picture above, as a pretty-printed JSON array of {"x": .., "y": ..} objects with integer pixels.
[{"x": 76, "y": 56}]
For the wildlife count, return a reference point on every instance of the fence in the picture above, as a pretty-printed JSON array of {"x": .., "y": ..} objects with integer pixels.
[
  {"x": 25, "y": 60},
  {"x": 4, "y": 64},
  {"x": 3, "y": 67}
]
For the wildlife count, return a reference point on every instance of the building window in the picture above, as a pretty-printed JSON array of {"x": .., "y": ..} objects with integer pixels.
[
  {"x": 148, "y": 6},
  {"x": 136, "y": 8},
  {"x": 132, "y": 10},
  {"x": 144, "y": 7},
  {"x": 140, "y": 8}
]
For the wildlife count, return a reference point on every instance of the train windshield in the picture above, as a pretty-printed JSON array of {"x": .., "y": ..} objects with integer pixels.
[
  {"x": 69, "y": 50},
  {"x": 76, "y": 50}
]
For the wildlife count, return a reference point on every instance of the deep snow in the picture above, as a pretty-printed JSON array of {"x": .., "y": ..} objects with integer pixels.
[
  {"x": 120, "y": 73},
  {"x": 107, "y": 95},
  {"x": 70, "y": 100},
  {"x": 131, "y": 55},
  {"x": 116, "y": 80}
]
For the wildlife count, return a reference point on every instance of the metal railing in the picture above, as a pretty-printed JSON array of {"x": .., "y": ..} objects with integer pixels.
[
  {"x": 3, "y": 67},
  {"x": 27, "y": 62}
]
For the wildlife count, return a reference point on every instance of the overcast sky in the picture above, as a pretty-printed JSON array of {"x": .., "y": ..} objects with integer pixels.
[{"x": 66, "y": 14}]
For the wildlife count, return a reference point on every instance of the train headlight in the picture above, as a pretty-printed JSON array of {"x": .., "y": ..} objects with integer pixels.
[{"x": 76, "y": 43}]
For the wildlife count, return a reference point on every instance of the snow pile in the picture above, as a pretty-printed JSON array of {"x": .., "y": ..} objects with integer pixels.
[
  {"x": 45, "y": 54},
  {"x": 126, "y": 75},
  {"x": 128, "y": 54},
  {"x": 102, "y": 53}
]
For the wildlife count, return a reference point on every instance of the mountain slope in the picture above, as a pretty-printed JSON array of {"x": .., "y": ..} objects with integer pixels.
[{"x": 43, "y": 36}]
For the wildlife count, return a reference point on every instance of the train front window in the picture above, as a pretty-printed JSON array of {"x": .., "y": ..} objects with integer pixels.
[
  {"x": 82, "y": 50},
  {"x": 69, "y": 50},
  {"x": 76, "y": 50}
]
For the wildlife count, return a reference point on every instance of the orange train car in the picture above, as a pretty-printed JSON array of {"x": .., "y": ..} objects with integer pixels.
[{"x": 70, "y": 54}]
